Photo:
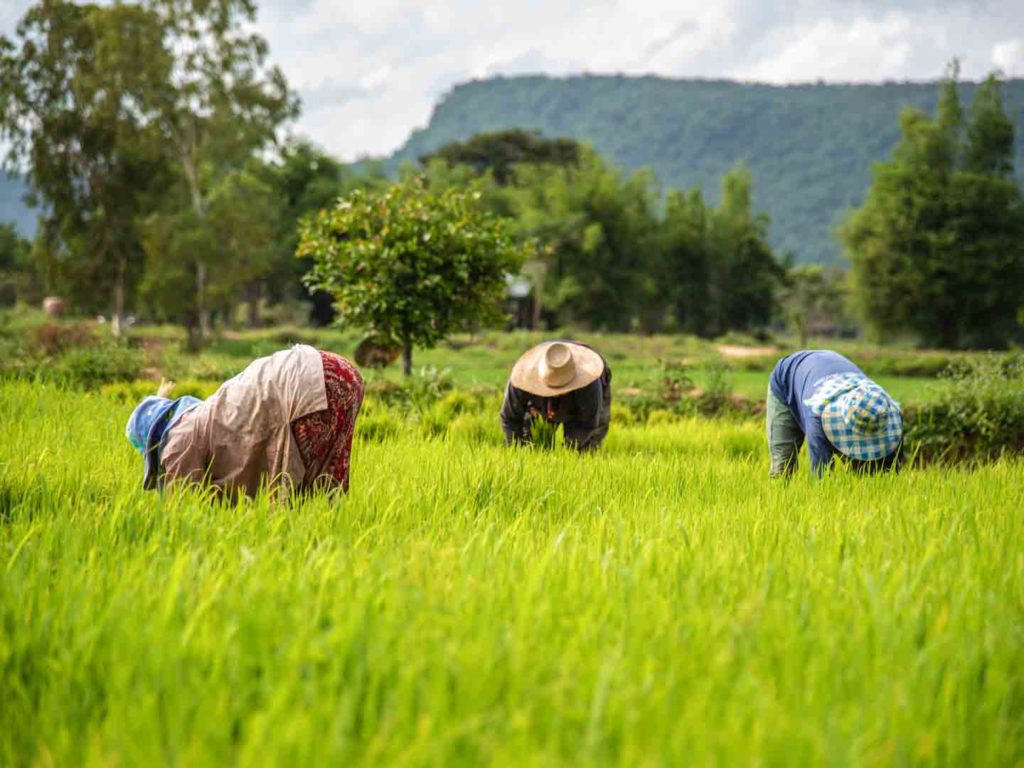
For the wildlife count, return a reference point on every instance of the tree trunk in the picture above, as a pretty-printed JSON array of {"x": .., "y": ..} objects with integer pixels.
[
  {"x": 538, "y": 291},
  {"x": 192, "y": 342},
  {"x": 199, "y": 206},
  {"x": 203, "y": 310},
  {"x": 117, "y": 321},
  {"x": 254, "y": 304},
  {"x": 407, "y": 359}
]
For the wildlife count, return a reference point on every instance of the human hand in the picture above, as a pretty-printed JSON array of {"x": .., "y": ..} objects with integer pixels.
[{"x": 165, "y": 388}]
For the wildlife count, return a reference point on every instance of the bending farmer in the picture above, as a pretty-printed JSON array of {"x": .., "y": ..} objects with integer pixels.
[
  {"x": 562, "y": 382},
  {"x": 823, "y": 397},
  {"x": 286, "y": 422}
]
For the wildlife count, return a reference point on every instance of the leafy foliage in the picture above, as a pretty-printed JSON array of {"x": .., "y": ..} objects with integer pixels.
[
  {"x": 18, "y": 277},
  {"x": 612, "y": 260},
  {"x": 980, "y": 417},
  {"x": 73, "y": 105},
  {"x": 813, "y": 298},
  {"x": 938, "y": 246},
  {"x": 810, "y": 147},
  {"x": 124, "y": 112},
  {"x": 409, "y": 264},
  {"x": 501, "y": 151}
]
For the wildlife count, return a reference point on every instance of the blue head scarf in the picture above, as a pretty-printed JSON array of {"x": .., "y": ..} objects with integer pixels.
[{"x": 147, "y": 425}]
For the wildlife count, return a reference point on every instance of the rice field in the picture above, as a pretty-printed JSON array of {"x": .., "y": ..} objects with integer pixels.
[{"x": 660, "y": 603}]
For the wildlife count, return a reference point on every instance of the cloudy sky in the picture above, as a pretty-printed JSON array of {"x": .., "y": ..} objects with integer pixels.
[{"x": 370, "y": 71}]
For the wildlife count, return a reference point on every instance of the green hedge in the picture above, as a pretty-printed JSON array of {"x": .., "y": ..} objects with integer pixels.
[{"x": 981, "y": 417}]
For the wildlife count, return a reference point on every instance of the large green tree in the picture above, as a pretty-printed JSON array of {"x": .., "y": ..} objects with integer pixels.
[
  {"x": 744, "y": 272},
  {"x": 73, "y": 105},
  {"x": 938, "y": 246},
  {"x": 222, "y": 102},
  {"x": 409, "y": 264},
  {"x": 684, "y": 260},
  {"x": 599, "y": 229},
  {"x": 611, "y": 258},
  {"x": 237, "y": 241}
]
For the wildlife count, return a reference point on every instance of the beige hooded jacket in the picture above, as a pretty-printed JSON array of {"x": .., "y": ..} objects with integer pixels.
[{"x": 241, "y": 437}]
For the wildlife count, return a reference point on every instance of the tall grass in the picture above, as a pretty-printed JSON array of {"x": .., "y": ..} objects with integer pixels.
[{"x": 658, "y": 603}]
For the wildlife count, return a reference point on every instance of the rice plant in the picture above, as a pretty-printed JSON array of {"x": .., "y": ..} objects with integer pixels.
[{"x": 659, "y": 603}]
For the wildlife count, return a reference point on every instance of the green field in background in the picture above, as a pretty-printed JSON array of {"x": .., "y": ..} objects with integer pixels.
[{"x": 486, "y": 359}]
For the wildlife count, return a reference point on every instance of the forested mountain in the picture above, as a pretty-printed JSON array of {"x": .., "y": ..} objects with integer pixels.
[
  {"x": 810, "y": 147},
  {"x": 12, "y": 207}
]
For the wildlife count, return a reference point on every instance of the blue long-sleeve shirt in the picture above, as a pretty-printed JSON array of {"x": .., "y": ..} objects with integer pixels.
[{"x": 794, "y": 380}]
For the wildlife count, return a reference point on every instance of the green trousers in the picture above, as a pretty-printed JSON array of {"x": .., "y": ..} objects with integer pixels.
[{"x": 785, "y": 439}]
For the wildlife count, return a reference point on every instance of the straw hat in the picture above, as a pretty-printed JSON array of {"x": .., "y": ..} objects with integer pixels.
[{"x": 554, "y": 368}]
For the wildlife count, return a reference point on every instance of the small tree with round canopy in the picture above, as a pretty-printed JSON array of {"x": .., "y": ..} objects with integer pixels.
[{"x": 411, "y": 265}]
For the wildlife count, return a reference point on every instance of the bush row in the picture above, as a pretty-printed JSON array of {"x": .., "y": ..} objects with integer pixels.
[{"x": 981, "y": 417}]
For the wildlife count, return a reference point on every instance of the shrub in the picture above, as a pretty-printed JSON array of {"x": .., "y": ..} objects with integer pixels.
[
  {"x": 459, "y": 402},
  {"x": 981, "y": 416},
  {"x": 91, "y": 367},
  {"x": 51, "y": 339},
  {"x": 128, "y": 391},
  {"x": 416, "y": 394}
]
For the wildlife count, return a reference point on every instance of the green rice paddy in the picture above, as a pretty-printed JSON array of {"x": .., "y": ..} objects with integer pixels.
[{"x": 660, "y": 603}]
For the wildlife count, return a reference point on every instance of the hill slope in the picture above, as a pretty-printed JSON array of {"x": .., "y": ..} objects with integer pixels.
[{"x": 810, "y": 146}]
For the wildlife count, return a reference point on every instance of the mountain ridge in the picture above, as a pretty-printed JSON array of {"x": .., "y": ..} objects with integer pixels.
[{"x": 810, "y": 146}]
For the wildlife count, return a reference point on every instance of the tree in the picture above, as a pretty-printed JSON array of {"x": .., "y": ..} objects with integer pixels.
[
  {"x": 236, "y": 243},
  {"x": 500, "y": 152},
  {"x": 221, "y": 102},
  {"x": 600, "y": 230},
  {"x": 243, "y": 217},
  {"x": 743, "y": 270},
  {"x": 18, "y": 279},
  {"x": 990, "y": 134},
  {"x": 938, "y": 245},
  {"x": 174, "y": 242},
  {"x": 813, "y": 297},
  {"x": 611, "y": 262},
  {"x": 306, "y": 180},
  {"x": 684, "y": 266},
  {"x": 73, "y": 106},
  {"x": 409, "y": 264}
]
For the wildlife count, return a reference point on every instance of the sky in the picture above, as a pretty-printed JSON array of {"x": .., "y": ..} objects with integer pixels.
[{"x": 369, "y": 72}]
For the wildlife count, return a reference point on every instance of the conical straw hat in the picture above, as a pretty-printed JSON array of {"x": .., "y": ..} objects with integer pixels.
[{"x": 556, "y": 367}]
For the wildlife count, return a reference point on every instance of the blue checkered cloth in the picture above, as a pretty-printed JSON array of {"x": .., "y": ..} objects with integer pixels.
[{"x": 858, "y": 416}]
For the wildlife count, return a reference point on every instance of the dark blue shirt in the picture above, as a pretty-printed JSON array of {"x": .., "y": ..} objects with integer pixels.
[
  {"x": 794, "y": 380},
  {"x": 579, "y": 412}
]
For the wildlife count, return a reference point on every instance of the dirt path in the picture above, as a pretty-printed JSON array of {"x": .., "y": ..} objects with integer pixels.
[{"x": 737, "y": 352}]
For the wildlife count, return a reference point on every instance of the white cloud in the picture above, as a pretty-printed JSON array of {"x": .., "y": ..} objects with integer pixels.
[
  {"x": 370, "y": 72},
  {"x": 1008, "y": 56},
  {"x": 403, "y": 54},
  {"x": 868, "y": 49}
]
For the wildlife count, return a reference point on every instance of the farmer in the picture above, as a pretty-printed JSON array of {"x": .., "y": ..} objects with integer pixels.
[
  {"x": 823, "y": 397},
  {"x": 285, "y": 422},
  {"x": 563, "y": 382}
]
